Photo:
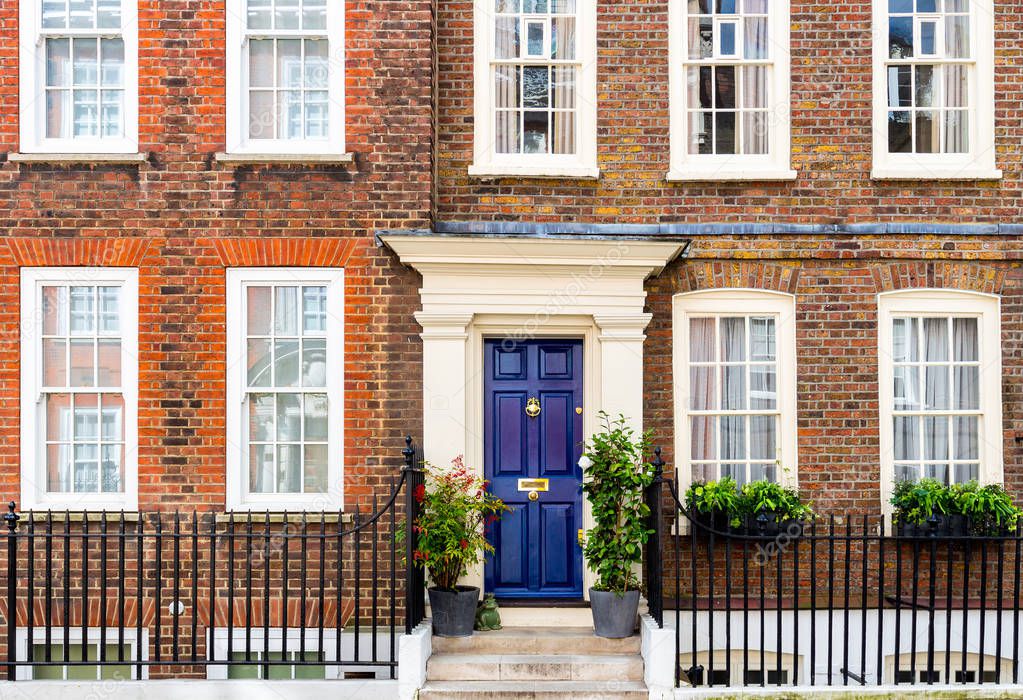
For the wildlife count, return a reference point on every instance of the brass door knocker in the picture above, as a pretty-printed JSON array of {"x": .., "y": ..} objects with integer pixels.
[{"x": 533, "y": 407}]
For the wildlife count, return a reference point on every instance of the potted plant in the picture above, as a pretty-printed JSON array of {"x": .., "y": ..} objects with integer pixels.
[
  {"x": 617, "y": 470},
  {"x": 925, "y": 507},
  {"x": 987, "y": 510},
  {"x": 770, "y": 509},
  {"x": 454, "y": 509},
  {"x": 714, "y": 504}
]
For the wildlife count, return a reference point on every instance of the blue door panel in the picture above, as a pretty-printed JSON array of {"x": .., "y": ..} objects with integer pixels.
[{"x": 537, "y": 553}]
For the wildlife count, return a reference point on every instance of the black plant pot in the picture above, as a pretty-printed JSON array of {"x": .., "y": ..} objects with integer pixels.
[
  {"x": 716, "y": 520},
  {"x": 614, "y": 616},
  {"x": 942, "y": 526},
  {"x": 454, "y": 611}
]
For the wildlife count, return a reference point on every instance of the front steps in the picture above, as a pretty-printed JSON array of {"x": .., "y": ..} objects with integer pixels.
[{"x": 537, "y": 662}]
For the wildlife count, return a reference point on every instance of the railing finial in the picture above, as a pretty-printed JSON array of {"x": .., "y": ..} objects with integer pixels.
[
  {"x": 409, "y": 452},
  {"x": 11, "y": 517}
]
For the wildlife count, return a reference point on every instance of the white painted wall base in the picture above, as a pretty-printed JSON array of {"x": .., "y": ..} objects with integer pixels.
[
  {"x": 657, "y": 645},
  {"x": 884, "y": 692},
  {"x": 199, "y": 690},
  {"x": 414, "y": 651}
]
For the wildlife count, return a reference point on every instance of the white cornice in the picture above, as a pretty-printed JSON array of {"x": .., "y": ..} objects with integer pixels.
[{"x": 640, "y": 257}]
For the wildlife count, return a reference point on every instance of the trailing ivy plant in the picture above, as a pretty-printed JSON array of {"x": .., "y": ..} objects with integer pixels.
[{"x": 617, "y": 469}]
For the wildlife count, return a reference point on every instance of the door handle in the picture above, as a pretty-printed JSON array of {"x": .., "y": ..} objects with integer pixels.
[
  {"x": 581, "y": 538},
  {"x": 534, "y": 496}
]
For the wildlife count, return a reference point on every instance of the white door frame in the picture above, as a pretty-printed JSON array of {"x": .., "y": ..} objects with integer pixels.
[{"x": 480, "y": 287}]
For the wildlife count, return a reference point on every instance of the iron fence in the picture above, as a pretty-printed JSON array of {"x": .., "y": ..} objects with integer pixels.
[
  {"x": 211, "y": 594},
  {"x": 838, "y": 600}
]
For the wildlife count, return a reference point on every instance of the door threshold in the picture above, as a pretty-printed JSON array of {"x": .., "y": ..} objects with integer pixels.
[{"x": 543, "y": 603}]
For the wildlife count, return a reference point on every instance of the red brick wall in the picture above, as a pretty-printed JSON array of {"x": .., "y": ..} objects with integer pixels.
[{"x": 177, "y": 211}]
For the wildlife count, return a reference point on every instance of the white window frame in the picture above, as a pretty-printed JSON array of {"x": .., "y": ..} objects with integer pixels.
[
  {"x": 237, "y": 59},
  {"x": 32, "y": 74},
  {"x": 979, "y": 162},
  {"x": 277, "y": 643},
  {"x": 737, "y": 302},
  {"x": 24, "y": 673},
  {"x": 944, "y": 303},
  {"x": 486, "y": 161},
  {"x": 33, "y": 452},
  {"x": 238, "y": 495},
  {"x": 776, "y": 164}
]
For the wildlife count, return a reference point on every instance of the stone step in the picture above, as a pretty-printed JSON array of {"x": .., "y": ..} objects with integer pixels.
[
  {"x": 535, "y": 667},
  {"x": 547, "y": 690},
  {"x": 536, "y": 640}
]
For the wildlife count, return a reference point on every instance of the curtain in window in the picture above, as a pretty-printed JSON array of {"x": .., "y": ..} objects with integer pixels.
[{"x": 754, "y": 95}]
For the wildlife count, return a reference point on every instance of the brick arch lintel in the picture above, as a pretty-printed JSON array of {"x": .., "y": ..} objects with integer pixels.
[
  {"x": 967, "y": 277},
  {"x": 282, "y": 252},
  {"x": 699, "y": 275},
  {"x": 106, "y": 251}
]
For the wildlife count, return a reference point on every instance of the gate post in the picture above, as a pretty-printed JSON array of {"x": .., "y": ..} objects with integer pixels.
[{"x": 653, "y": 571}]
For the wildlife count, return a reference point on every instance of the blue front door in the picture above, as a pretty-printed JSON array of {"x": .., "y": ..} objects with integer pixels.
[{"x": 533, "y": 432}]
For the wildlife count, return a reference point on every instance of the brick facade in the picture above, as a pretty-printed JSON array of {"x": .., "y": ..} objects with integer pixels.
[{"x": 182, "y": 217}]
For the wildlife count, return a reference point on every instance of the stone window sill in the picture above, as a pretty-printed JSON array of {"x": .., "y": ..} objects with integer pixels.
[
  {"x": 290, "y": 159},
  {"x": 79, "y": 158}
]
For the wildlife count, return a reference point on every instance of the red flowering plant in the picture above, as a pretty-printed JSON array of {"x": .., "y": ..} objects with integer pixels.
[{"x": 455, "y": 509}]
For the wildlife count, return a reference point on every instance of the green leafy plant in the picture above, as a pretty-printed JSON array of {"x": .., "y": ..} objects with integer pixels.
[
  {"x": 989, "y": 509},
  {"x": 916, "y": 501},
  {"x": 768, "y": 497},
  {"x": 617, "y": 470},
  {"x": 712, "y": 497},
  {"x": 450, "y": 530}
]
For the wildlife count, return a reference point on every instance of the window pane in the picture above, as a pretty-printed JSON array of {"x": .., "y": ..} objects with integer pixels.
[
  {"x": 907, "y": 438},
  {"x": 85, "y": 113},
  {"x": 733, "y": 437},
  {"x": 506, "y": 84},
  {"x": 967, "y": 388},
  {"x": 259, "y": 373},
  {"x": 936, "y": 389},
  {"x": 564, "y": 132},
  {"x": 563, "y": 88},
  {"x": 924, "y": 86},
  {"x": 563, "y": 38},
  {"x": 286, "y": 363},
  {"x": 764, "y": 471},
  {"x": 85, "y": 69},
  {"x": 703, "y": 438},
  {"x": 935, "y": 339},
  {"x": 763, "y": 437},
  {"x": 81, "y": 14},
  {"x": 317, "y": 114},
  {"x": 507, "y": 137},
  {"x": 86, "y": 468},
  {"x": 83, "y": 310},
  {"x": 763, "y": 387},
  {"x": 755, "y": 38},
  {"x": 927, "y": 126},
  {"x": 957, "y": 37},
  {"x": 108, "y": 14},
  {"x": 289, "y": 418},
  {"x": 724, "y": 87},
  {"x": 289, "y": 63},
  {"x": 54, "y": 362},
  {"x": 289, "y": 468},
  {"x": 754, "y": 87},
  {"x": 261, "y": 417},
  {"x": 935, "y": 437},
  {"x": 965, "y": 341},
  {"x": 261, "y": 468},
  {"x": 109, "y": 309},
  {"x": 724, "y": 132},
  {"x": 259, "y": 16},
  {"x": 314, "y": 14},
  {"x": 261, "y": 63},
  {"x": 109, "y": 352},
  {"x": 733, "y": 339},
  {"x": 702, "y": 387},
  {"x": 314, "y": 362},
  {"x": 957, "y": 131},
  {"x": 899, "y": 133},
  {"x": 58, "y": 63},
  {"x": 289, "y": 107},
  {"x": 905, "y": 343},
  {"x": 262, "y": 117},
  {"x": 112, "y": 65},
  {"x": 315, "y": 469},
  {"x": 314, "y": 309},
  {"x": 286, "y": 311},
  {"x": 83, "y": 367},
  {"x": 906, "y": 391},
  {"x": 316, "y": 64},
  {"x": 733, "y": 387},
  {"x": 762, "y": 339},
  {"x": 316, "y": 417},
  {"x": 257, "y": 310},
  {"x": 900, "y": 37},
  {"x": 506, "y": 37},
  {"x": 534, "y": 132},
  {"x": 54, "y": 15},
  {"x": 112, "y": 458},
  {"x": 966, "y": 439},
  {"x": 701, "y": 339},
  {"x": 287, "y": 15},
  {"x": 58, "y": 418},
  {"x": 900, "y": 86}
]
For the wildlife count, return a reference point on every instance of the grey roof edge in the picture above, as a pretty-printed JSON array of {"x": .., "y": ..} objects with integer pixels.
[{"x": 690, "y": 230}]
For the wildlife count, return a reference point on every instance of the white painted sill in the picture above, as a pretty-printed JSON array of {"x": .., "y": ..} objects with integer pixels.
[
  {"x": 749, "y": 175},
  {"x": 578, "y": 172},
  {"x": 239, "y": 517},
  {"x": 79, "y": 158},
  {"x": 926, "y": 173},
  {"x": 59, "y": 516},
  {"x": 297, "y": 159}
]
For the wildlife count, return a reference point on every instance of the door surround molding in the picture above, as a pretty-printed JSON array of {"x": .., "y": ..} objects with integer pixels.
[{"x": 478, "y": 287}]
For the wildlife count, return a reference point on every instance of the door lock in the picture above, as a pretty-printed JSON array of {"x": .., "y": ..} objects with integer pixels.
[
  {"x": 581, "y": 538},
  {"x": 532, "y": 407},
  {"x": 533, "y": 496}
]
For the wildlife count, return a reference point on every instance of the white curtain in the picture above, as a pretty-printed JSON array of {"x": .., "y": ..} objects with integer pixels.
[
  {"x": 956, "y": 121},
  {"x": 564, "y": 99},
  {"x": 754, "y": 96}
]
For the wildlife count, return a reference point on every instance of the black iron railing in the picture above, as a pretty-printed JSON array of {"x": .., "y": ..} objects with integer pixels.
[
  {"x": 255, "y": 595},
  {"x": 839, "y": 600}
]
